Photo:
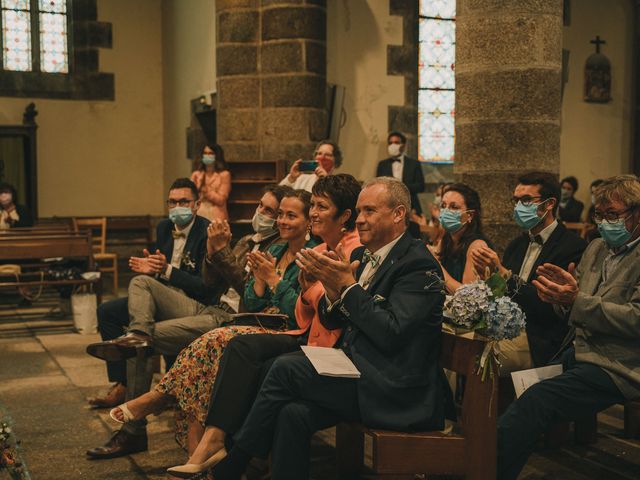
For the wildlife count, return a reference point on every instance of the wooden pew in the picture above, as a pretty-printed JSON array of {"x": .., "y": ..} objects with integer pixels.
[
  {"x": 29, "y": 250},
  {"x": 471, "y": 451}
]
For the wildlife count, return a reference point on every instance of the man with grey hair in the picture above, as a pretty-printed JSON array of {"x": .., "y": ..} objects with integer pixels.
[
  {"x": 601, "y": 299},
  {"x": 387, "y": 302}
]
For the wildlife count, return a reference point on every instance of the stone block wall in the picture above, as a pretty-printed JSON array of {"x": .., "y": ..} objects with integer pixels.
[{"x": 271, "y": 64}]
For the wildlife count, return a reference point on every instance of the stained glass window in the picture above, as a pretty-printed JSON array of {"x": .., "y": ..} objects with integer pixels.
[
  {"x": 436, "y": 94},
  {"x": 34, "y": 36}
]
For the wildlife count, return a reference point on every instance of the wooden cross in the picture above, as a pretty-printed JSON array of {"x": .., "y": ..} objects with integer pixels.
[{"x": 597, "y": 42}]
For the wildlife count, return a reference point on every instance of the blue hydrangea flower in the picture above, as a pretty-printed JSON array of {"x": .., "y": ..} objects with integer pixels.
[
  {"x": 469, "y": 303},
  {"x": 504, "y": 319}
]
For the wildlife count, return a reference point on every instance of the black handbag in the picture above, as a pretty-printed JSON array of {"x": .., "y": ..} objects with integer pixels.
[{"x": 268, "y": 321}]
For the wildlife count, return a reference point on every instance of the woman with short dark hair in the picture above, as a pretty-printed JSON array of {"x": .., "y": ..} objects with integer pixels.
[{"x": 12, "y": 215}]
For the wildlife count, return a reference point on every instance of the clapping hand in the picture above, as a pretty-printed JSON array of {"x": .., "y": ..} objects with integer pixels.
[
  {"x": 218, "y": 236},
  {"x": 556, "y": 285},
  {"x": 483, "y": 258},
  {"x": 332, "y": 269},
  {"x": 263, "y": 267},
  {"x": 306, "y": 280},
  {"x": 150, "y": 264}
]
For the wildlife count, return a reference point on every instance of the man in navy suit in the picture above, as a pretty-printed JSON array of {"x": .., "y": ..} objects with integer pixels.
[
  {"x": 388, "y": 304},
  {"x": 405, "y": 169},
  {"x": 170, "y": 291}
]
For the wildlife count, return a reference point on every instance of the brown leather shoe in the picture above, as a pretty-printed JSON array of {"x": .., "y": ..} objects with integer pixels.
[
  {"x": 121, "y": 348},
  {"x": 120, "y": 444},
  {"x": 114, "y": 397}
]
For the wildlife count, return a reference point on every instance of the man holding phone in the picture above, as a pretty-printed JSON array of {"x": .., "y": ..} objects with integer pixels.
[{"x": 304, "y": 173}]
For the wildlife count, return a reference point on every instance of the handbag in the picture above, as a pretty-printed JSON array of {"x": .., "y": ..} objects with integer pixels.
[{"x": 268, "y": 321}]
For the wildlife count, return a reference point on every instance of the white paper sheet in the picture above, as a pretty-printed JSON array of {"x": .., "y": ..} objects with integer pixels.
[
  {"x": 331, "y": 362},
  {"x": 523, "y": 379}
]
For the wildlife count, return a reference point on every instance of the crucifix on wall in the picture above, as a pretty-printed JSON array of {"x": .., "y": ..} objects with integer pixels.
[{"x": 597, "y": 75}]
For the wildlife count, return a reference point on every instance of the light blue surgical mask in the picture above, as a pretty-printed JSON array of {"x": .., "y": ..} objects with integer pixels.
[
  {"x": 615, "y": 234},
  {"x": 526, "y": 216},
  {"x": 565, "y": 194},
  {"x": 208, "y": 159},
  {"x": 450, "y": 220},
  {"x": 181, "y": 216}
]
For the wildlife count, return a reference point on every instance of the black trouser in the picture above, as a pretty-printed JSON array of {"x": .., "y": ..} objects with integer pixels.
[
  {"x": 243, "y": 366},
  {"x": 113, "y": 320},
  {"x": 580, "y": 391},
  {"x": 293, "y": 403}
]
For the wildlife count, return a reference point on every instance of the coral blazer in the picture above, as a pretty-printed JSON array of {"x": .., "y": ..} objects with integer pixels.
[{"x": 307, "y": 304}]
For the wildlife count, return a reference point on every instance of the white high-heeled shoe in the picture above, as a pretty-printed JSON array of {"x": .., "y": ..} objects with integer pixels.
[{"x": 190, "y": 470}]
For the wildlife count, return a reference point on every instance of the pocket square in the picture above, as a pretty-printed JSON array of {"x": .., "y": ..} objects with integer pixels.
[{"x": 378, "y": 299}]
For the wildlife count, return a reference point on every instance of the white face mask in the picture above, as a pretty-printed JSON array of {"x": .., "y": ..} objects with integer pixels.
[
  {"x": 5, "y": 199},
  {"x": 262, "y": 224},
  {"x": 394, "y": 149}
]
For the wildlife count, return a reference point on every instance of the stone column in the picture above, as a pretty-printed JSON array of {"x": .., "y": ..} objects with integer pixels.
[
  {"x": 508, "y": 78},
  {"x": 271, "y": 66}
]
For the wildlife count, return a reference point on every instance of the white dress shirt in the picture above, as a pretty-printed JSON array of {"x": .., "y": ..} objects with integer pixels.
[
  {"x": 178, "y": 249},
  {"x": 533, "y": 251},
  {"x": 397, "y": 167},
  {"x": 304, "y": 182}
]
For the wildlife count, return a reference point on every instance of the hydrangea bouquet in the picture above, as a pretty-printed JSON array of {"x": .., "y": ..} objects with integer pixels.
[{"x": 484, "y": 307}]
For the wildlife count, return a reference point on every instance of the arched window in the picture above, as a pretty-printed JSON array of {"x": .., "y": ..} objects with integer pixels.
[
  {"x": 50, "y": 49},
  {"x": 34, "y": 36},
  {"x": 436, "y": 82}
]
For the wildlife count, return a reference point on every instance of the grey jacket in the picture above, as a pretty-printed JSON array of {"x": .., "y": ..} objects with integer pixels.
[{"x": 606, "y": 315}]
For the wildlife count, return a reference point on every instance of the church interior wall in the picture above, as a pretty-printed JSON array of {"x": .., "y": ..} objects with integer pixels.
[
  {"x": 189, "y": 70},
  {"x": 596, "y": 138},
  {"x": 106, "y": 157},
  {"x": 358, "y": 33}
]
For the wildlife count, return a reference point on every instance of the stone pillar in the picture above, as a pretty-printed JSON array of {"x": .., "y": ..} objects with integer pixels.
[
  {"x": 271, "y": 86},
  {"x": 508, "y": 78}
]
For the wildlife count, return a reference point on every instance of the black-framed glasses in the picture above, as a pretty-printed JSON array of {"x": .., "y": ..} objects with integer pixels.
[
  {"x": 609, "y": 217},
  {"x": 181, "y": 202},
  {"x": 526, "y": 200}
]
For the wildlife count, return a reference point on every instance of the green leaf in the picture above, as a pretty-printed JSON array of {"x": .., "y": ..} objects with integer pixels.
[{"x": 497, "y": 284}]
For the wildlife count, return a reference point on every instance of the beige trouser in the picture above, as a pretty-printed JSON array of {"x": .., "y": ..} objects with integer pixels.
[{"x": 514, "y": 355}]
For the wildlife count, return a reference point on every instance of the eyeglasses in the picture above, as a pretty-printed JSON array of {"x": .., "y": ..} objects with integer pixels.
[
  {"x": 182, "y": 202},
  {"x": 609, "y": 217},
  {"x": 525, "y": 200}
]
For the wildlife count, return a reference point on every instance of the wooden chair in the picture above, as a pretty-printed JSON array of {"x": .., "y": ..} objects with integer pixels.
[
  {"x": 471, "y": 452},
  {"x": 100, "y": 246}
]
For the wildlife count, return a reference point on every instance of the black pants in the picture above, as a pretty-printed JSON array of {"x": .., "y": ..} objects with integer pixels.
[
  {"x": 581, "y": 390},
  {"x": 113, "y": 319},
  {"x": 293, "y": 403},
  {"x": 243, "y": 366}
]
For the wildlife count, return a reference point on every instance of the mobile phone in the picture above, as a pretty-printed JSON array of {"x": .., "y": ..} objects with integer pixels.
[{"x": 308, "y": 166}]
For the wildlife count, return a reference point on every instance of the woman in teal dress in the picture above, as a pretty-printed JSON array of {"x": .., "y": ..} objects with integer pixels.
[{"x": 272, "y": 288}]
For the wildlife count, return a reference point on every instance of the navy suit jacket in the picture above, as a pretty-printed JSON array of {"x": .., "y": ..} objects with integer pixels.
[
  {"x": 412, "y": 177},
  {"x": 392, "y": 332},
  {"x": 188, "y": 277},
  {"x": 545, "y": 329}
]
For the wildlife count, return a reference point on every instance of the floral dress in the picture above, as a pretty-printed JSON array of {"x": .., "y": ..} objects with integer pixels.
[{"x": 193, "y": 374}]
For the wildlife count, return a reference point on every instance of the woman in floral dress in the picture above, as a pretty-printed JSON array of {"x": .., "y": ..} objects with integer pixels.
[{"x": 191, "y": 378}]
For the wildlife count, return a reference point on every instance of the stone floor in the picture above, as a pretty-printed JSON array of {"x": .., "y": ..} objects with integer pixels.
[{"x": 45, "y": 377}]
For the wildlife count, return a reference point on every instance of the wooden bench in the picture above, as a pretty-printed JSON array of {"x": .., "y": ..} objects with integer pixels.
[
  {"x": 29, "y": 251},
  {"x": 469, "y": 451}
]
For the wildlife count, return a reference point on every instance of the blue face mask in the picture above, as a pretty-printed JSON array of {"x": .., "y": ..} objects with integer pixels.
[
  {"x": 208, "y": 159},
  {"x": 181, "y": 216},
  {"x": 450, "y": 220},
  {"x": 615, "y": 234},
  {"x": 526, "y": 216}
]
